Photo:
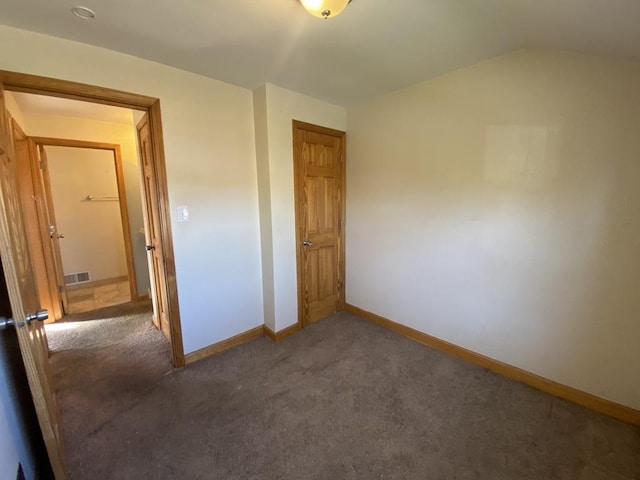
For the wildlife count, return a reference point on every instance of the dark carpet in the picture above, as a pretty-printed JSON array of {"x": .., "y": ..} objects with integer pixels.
[{"x": 342, "y": 399}]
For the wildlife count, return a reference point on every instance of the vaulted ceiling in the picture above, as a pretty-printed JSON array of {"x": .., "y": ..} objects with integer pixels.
[{"x": 374, "y": 47}]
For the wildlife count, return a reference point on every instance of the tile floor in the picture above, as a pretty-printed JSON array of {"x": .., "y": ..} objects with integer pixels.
[{"x": 85, "y": 299}]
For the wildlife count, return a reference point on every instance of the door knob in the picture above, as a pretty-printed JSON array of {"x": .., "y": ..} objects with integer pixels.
[
  {"x": 40, "y": 316},
  {"x": 307, "y": 243},
  {"x": 150, "y": 247}
]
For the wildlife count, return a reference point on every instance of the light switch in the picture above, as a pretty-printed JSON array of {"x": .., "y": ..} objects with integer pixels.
[{"x": 183, "y": 214}]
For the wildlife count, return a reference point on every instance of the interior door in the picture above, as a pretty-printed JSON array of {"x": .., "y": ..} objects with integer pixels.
[
  {"x": 48, "y": 292},
  {"x": 152, "y": 230},
  {"x": 23, "y": 294},
  {"x": 319, "y": 173},
  {"x": 52, "y": 229}
]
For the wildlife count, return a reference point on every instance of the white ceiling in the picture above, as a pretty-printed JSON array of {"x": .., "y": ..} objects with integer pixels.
[
  {"x": 374, "y": 47},
  {"x": 41, "y": 104}
]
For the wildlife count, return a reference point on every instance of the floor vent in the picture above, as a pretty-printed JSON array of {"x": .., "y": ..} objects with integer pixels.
[{"x": 73, "y": 278}]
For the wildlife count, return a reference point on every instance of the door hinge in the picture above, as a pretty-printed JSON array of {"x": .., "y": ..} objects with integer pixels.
[
  {"x": 60, "y": 289},
  {"x": 42, "y": 165}
]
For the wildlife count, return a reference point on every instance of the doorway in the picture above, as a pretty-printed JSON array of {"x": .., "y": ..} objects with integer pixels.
[
  {"x": 143, "y": 107},
  {"x": 89, "y": 223},
  {"x": 17, "y": 225},
  {"x": 319, "y": 185}
]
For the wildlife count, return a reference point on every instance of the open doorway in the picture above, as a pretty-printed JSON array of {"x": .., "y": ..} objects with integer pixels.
[
  {"x": 96, "y": 220},
  {"x": 87, "y": 221},
  {"x": 96, "y": 238},
  {"x": 25, "y": 236}
]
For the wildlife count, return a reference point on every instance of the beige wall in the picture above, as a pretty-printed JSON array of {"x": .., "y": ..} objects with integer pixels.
[
  {"x": 274, "y": 147},
  {"x": 211, "y": 167},
  {"x": 93, "y": 238},
  {"x": 497, "y": 208},
  {"x": 75, "y": 128}
]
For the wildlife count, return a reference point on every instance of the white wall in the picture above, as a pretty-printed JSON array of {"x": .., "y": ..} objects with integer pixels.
[
  {"x": 210, "y": 155},
  {"x": 274, "y": 144},
  {"x": 93, "y": 237},
  {"x": 74, "y": 128},
  {"x": 497, "y": 208}
]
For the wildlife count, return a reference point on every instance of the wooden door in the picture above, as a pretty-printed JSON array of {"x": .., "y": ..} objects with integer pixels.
[
  {"x": 23, "y": 294},
  {"x": 49, "y": 298},
  {"x": 152, "y": 230},
  {"x": 51, "y": 229},
  {"x": 319, "y": 177}
]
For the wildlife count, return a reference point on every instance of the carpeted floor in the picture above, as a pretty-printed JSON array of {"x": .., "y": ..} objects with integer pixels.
[{"x": 343, "y": 399}]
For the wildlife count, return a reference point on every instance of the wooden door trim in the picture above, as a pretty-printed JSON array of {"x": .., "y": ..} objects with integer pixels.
[
  {"x": 298, "y": 186},
  {"x": 122, "y": 194},
  {"x": 27, "y": 83},
  {"x": 66, "y": 142},
  {"x": 157, "y": 143},
  {"x": 22, "y": 82}
]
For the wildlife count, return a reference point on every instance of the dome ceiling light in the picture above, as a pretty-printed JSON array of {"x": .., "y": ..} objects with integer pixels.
[{"x": 325, "y": 8}]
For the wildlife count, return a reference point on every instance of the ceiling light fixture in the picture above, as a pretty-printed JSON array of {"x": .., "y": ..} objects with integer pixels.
[
  {"x": 83, "y": 12},
  {"x": 325, "y": 8}
]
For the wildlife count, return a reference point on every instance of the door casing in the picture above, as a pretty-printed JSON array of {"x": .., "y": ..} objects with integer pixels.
[
  {"x": 298, "y": 181},
  {"x": 21, "y": 82}
]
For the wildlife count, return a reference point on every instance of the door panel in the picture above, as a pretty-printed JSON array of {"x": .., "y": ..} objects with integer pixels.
[
  {"x": 48, "y": 293},
  {"x": 319, "y": 174},
  {"x": 152, "y": 222},
  {"x": 23, "y": 294},
  {"x": 43, "y": 244},
  {"x": 52, "y": 228}
]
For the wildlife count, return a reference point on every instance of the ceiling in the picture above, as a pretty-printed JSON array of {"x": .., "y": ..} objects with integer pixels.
[
  {"x": 374, "y": 47},
  {"x": 41, "y": 104}
]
